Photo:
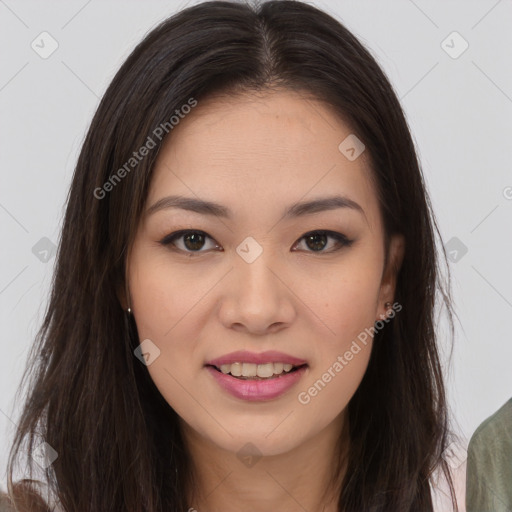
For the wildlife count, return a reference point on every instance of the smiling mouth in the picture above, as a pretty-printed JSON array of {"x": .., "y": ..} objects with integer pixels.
[{"x": 250, "y": 371}]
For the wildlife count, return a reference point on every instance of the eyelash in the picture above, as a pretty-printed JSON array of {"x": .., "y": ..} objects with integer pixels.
[{"x": 341, "y": 239}]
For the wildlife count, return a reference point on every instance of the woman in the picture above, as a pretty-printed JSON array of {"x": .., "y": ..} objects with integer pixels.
[{"x": 242, "y": 315}]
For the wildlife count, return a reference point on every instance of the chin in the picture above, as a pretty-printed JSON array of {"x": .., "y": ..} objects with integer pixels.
[{"x": 258, "y": 443}]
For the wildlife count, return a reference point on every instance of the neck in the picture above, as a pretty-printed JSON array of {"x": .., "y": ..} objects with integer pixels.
[{"x": 304, "y": 478}]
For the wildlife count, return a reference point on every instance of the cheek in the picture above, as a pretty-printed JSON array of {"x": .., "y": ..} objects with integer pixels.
[
  {"x": 340, "y": 357},
  {"x": 324, "y": 397},
  {"x": 163, "y": 306},
  {"x": 346, "y": 301},
  {"x": 347, "y": 308},
  {"x": 161, "y": 296},
  {"x": 164, "y": 312}
]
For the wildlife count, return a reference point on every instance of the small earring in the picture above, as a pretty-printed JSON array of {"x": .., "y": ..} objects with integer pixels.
[
  {"x": 387, "y": 305},
  {"x": 129, "y": 311}
]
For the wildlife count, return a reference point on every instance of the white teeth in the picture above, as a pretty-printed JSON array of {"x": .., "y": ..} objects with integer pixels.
[
  {"x": 249, "y": 369},
  {"x": 252, "y": 370},
  {"x": 265, "y": 370},
  {"x": 278, "y": 368},
  {"x": 225, "y": 368},
  {"x": 236, "y": 369}
]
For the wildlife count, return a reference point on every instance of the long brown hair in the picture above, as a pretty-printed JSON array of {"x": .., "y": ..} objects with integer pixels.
[{"x": 118, "y": 442}]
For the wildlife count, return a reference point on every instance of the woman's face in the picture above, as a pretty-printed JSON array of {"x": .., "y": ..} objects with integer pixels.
[{"x": 249, "y": 280}]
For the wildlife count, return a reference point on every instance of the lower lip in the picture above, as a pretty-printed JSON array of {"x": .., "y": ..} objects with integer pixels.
[{"x": 257, "y": 390}]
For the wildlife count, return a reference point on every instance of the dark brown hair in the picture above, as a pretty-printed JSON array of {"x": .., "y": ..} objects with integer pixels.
[{"x": 118, "y": 441}]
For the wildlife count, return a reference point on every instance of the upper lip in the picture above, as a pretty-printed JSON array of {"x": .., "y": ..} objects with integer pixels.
[{"x": 243, "y": 356}]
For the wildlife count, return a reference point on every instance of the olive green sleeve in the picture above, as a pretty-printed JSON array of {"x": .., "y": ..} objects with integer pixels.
[{"x": 489, "y": 464}]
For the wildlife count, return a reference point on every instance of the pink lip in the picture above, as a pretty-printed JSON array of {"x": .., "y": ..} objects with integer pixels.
[
  {"x": 243, "y": 356},
  {"x": 257, "y": 390}
]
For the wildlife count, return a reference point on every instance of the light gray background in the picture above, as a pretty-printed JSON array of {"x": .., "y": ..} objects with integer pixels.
[{"x": 459, "y": 110}]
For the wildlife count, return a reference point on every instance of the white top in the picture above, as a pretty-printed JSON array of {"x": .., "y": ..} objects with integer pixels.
[{"x": 456, "y": 457}]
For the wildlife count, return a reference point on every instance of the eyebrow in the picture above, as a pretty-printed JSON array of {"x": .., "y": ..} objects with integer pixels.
[{"x": 217, "y": 210}]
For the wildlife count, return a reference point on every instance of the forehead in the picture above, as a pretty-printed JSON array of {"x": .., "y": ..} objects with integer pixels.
[{"x": 272, "y": 148}]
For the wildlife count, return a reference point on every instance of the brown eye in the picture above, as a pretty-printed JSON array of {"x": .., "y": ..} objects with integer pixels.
[
  {"x": 192, "y": 241},
  {"x": 316, "y": 241}
]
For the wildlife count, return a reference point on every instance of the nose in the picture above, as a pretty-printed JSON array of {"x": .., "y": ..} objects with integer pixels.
[{"x": 257, "y": 297}]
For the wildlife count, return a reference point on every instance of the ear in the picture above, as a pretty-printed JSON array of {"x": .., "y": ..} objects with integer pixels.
[{"x": 389, "y": 275}]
